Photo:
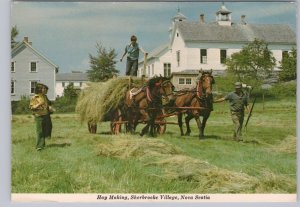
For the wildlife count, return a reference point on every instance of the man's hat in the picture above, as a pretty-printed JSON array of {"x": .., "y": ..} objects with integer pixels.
[{"x": 238, "y": 85}]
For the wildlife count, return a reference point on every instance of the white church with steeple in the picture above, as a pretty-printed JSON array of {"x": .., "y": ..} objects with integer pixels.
[{"x": 206, "y": 45}]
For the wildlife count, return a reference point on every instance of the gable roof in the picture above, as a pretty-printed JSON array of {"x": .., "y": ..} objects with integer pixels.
[
  {"x": 155, "y": 52},
  {"x": 213, "y": 32},
  {"x": 71, "y": 77},
  {"x": 24, "y": 44},
  {"x": 187, "y": 72}
]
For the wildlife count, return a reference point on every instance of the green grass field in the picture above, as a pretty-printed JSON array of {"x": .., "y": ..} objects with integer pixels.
[{"x": 75, "y": 161}]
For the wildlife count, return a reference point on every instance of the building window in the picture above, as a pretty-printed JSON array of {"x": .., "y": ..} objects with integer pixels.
[
  {"x": 188, "y": 81},
  {"x": 177, "y": 34},
  {"x": 12, "y": 69},
  {"x": 12, "y": 87},
  {"x": 181, "y": 81},
  {"x": 178, "y": 57},
  {"x": 71, "y": 84},
  {"x": 63, "y": 84},
  {"x": 32, "y": 86},
  {"x": 223, "y": 56},
  {"x": 203, "y": 56},
  {"x": 33, "y": 67},
  {"x": 167, "y": 69},
  {"x": 80, "y": 84}
]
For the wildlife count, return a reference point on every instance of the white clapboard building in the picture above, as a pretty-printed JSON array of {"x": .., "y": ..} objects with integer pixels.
[{"x": 206, "y": 45}]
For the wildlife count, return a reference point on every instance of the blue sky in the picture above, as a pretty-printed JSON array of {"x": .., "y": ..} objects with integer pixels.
[{"x": 67, "y": 32}]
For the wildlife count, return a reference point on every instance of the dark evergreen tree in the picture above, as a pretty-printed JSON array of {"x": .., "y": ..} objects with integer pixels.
[{"x": 103, "y": 65}]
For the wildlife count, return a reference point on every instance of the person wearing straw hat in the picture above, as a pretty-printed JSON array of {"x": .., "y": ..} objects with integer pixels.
[
  {"x": 132, "y": 50},
  {"x": 238, "y": 101}
]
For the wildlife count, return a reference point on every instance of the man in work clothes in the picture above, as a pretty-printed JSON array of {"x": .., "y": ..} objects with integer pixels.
[
  {"x": 238, "y": 101},
  {"x": 132, "y": 50},
  {"x": 40, "y": 109}
]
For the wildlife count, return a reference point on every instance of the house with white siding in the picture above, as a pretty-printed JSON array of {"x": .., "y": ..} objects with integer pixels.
[
  {"x": 76, "y": 78},
  {"x": 29, "y": 67},
  {"x": 206, "y": 45}
]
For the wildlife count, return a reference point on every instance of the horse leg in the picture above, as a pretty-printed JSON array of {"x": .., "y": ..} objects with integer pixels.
[
  {"x": 179, "y": 118},
  {"x": 130, "y": 120},
  {"x": 145, "y": 129},
  {"x": 205, "y": 118},
  {"x": 152, "y": 123},
  {"x": 199, "y": 124},
  {"x": 187, "y": 123}
]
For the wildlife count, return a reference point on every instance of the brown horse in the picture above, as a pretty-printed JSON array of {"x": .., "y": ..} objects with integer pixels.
[
  {"x": 146, "y": 103},
  {"x": 200, "y": 101}
]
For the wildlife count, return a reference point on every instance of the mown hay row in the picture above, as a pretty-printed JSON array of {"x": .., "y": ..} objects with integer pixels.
[
  {"x": 288, "y": 145},
  {"x": 99, "y": 99},
  {"x": 177, "y": 166}
]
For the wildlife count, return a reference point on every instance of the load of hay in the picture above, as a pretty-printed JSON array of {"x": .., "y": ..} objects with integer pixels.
[{"x": 99, "y": 99}]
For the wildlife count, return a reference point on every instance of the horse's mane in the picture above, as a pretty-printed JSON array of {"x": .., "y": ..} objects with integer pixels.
[{"x": 152, "y": 81}]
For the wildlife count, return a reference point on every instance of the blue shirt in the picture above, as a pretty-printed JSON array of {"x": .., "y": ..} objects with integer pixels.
[{"x": 133, "y": 51}]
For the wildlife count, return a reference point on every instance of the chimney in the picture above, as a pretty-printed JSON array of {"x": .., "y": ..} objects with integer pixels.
[
  {"x": 26, "y": 39},
  {"x": 202, "y": 18},
  {"x": 243, "y": 19}
]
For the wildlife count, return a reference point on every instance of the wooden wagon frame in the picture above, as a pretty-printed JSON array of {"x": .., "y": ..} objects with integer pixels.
[{"x": 160, "y": 121}]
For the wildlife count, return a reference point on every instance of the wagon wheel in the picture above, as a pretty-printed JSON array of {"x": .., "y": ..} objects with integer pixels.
[
  {"x": 116, "y": 123},
  {"x": 161, "y": 126},
  {"x": 92, "y": 127}
]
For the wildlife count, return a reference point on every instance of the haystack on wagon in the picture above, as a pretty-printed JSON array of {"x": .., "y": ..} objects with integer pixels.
[{"x": 104, "y": 101}]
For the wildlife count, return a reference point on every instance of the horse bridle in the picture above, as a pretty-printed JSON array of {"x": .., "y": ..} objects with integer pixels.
[
  {"x": 164, "y": 83},
  {"x": 200, "y": 82}
]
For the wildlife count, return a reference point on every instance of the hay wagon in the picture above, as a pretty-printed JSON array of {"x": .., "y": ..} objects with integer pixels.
[{"x": 101, "y": 102}]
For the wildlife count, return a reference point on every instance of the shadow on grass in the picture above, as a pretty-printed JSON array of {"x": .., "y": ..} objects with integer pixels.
[
  {"x": 211, "y": 137},
  {"x": 59, "y": 145}
]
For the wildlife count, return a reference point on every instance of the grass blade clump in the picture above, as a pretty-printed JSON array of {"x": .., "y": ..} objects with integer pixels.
[{"x": 98, "y": 100}]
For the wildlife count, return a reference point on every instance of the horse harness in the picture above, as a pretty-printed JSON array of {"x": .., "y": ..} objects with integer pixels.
[{"x": 146, "y": 90}]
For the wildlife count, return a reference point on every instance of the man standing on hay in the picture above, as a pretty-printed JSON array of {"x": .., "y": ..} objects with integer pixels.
[
  {"x": 132, "y": 50},
  {"x": 238, "y": 101}
]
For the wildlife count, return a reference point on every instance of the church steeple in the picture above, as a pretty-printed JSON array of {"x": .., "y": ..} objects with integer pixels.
[
  {"x": 179, "y": 17},
  {"x": 223, "y": 16}
]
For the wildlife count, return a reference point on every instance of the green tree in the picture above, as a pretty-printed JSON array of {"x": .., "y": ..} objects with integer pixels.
[
  {"x": 288, "y": 66},
  {"x": 71, "y": 93},
  {"x": 254, "y": 61},
  {"x": 14, "y": 32},
  {"x": 103, "y": 65}
]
